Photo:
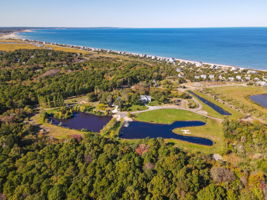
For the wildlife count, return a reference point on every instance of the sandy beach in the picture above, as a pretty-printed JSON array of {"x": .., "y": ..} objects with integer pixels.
[{"x": 13, "y": 35}]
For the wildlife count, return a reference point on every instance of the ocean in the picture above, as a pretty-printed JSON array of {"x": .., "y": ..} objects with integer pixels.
[{"x": 243, "y": 47}]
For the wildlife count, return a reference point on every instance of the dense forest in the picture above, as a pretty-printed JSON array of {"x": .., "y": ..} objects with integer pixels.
[{"x": 98, "y": 167}]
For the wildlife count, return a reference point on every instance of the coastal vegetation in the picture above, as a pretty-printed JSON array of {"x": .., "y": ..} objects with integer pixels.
[
  {"x": 238, "y": 98},
  {"x": 39, "y": 160}
]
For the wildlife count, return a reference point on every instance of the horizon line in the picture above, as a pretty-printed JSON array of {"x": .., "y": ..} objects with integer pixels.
[{"x": 131, "y": 27}]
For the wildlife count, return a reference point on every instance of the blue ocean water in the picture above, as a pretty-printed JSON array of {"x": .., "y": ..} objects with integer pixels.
[{"x": 244, "y": 47}]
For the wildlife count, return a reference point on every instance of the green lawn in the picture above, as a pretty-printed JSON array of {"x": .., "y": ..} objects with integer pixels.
[
  {"x": 137, "y": 108},
  {"x": 212, "y": 130},
  {"x": 168, "y": 116}
]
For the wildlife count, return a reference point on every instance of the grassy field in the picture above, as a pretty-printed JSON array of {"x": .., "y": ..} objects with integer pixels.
[
  {"x": 66, "y": 49},
  {"x": 238, "y": 96},
  {"x": 137, "y": 108},
  {"x": 6, "y": 46},
  {"x": 60, "y": 132},
  {"x": 213, "y": 113},
  {"x": 212, "y": 130},
  {"x": 15, "y": 44},
  {"x": 242, "y": 94},
  {"x": 168, "y": 116}
]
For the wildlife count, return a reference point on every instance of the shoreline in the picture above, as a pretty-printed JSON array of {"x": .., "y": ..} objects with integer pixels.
[{"x": 15, "y": 35}]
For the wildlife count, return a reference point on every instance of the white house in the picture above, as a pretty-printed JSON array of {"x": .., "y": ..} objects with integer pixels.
[
  {"x": 145, "y": 98},
  {"x": 234, "y": 68},
  {"x": 261, "y": 83},
  {"x": 251, "y": 72},
  {"x": 221, "y": 77},
  {"x": 198, "y": 64},
  {"x": 211, "y": 76},
  {"x": 231, "y": 78},
  {"x": 181, "y": 75},
  {"x": 203, "y": 76},
  {"x": 178, "y": 70},
  {"x": 238, "y": 78},
  {"x": 247, "y": 78}
]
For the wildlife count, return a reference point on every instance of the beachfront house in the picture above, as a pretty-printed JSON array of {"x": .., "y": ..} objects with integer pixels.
[
  {"x": 198, "y": 64},
  {"x": 251, "y": 72}
]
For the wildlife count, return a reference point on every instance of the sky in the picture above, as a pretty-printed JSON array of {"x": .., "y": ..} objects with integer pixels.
[{"x": 133, "y": 13}]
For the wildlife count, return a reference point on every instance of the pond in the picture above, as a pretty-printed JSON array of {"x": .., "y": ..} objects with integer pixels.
[
  {"x": 260, "y": 99},
  {"x": 81, "y": 120},
  {"x": 141, "y": 130},
  {"x": 212, "y": 105}
]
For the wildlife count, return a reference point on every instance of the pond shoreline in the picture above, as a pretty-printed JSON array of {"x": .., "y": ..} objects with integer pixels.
[
  {"x": 142, "y": 130},
  {"x": 259, "y": 99},
  {"x": 215, "y": 107},
  {"x": 95, "y": 123}
]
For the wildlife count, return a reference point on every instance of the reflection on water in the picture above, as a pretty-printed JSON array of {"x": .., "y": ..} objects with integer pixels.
[
  {"x": 212, "y": 105},
  {"x": 260, "y": 99},
  {"x": 81, "y": 120},
  {"x": 135, "y": 129},
  {"x": 140, "y": 130}
]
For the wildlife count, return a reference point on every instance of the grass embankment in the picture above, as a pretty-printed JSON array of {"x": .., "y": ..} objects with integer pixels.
[
  {"x": 238, "y": 97},
  {"x": 212, "y": 130},
  {"x": 212, "y": 112}
]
